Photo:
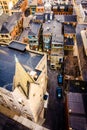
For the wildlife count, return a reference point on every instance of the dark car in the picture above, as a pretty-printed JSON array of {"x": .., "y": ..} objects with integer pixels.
[
  {"x": 60, "y": 79},
  {"x": 59, "y": 93}
]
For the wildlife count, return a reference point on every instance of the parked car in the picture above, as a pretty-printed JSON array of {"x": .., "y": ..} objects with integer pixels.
[
  {"x": 60, "y": 79},
  {"x": 59, "y": 93}
]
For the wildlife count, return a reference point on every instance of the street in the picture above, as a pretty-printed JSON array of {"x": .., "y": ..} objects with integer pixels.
[{"x": 55, "y": 119}]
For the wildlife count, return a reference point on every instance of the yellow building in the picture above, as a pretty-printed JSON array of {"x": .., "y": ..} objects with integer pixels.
[
  {"x": 7, "y": 5},
  {"x": 20, "y": 6},
  {"x": 40, "y": 7}
]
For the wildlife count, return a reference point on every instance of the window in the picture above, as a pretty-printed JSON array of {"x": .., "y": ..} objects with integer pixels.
[
  {"x": 52, "y": 66},
  {"x": 6, "y": 7},
  {"x": 6, "y": 36},
  {"x": 30, "y": 37},
  {"x": 4, "y": 2}
]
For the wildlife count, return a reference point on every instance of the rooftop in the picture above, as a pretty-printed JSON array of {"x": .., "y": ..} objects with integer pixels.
[
  {"x": 78, "y": 86},
  {"x": 84, "y": 4},
  {"x": 17, "y": 45},
  {"x": 59, "y": 18},
  {"x": 68, "y": 41},
  {"x": 70, "y": 18},
  {"x": 24, "y": 34},
  {"x": 57, "y": 39},
  {"x": 10, "y": 22},
  {"x": 77, "y": 116},
  {"x": 68, "y": 28},
  {"x": 28, "y": 60},
  {"x": 39, "y": 16},
  {"x": 52, "y": 27},
  {"x": 17, "y": 5},
  {"x": 78, "y": 2},
  {"x": 34, "y": 29},
  {"x": 3, "y": 18},
  {"x": 33, "y": 2}
]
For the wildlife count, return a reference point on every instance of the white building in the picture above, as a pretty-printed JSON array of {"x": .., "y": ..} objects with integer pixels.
[
  {"x": 83, "y": 10},
  {"x": 84, "y": 39}
]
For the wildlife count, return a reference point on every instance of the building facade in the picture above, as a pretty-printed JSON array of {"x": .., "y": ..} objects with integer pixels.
[
  {"x": 32, "y": 6},
  {"x": 34, "y": 36},
  {"x": 63, "y": 8},
  {"x": 20, "y": 6},
  {"x": 70, "y": 22},
  {"x": 53, "y": 40},
  {"x": 57, "y": 51},
  {"x": 7, "y": 5}
]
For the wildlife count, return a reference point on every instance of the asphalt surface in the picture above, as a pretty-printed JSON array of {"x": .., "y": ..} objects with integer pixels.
[{"x": 55, "y": 116}]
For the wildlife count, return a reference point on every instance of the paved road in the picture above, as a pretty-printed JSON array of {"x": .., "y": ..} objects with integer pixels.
[
  {"x": 83, "y": 58},
  {"x": 55, "y": 119}
]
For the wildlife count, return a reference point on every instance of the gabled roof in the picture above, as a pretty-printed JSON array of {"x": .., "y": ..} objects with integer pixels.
[
  {"x": 33, "y": 2},
  {"x": 30, "y": 33},
  {"x": 34, "y": 29},
  {"x": 3, "y": 18},
  {"x": 4, "y": 28},
  {"x": 11, "y": 22}
]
